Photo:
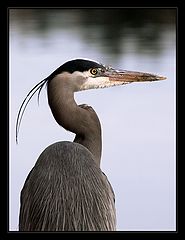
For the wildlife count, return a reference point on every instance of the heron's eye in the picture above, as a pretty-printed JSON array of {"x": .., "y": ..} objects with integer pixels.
[{"x": 93, "y": 71}]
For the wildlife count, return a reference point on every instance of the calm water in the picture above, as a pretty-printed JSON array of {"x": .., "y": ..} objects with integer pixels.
[{"x": 138, "y": 120}]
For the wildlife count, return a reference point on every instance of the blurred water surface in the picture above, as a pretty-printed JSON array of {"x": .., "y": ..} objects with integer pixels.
[{"x": 138, "y": 120}]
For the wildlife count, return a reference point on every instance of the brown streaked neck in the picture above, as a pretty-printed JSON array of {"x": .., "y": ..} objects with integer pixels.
[{"x": 83, "y": 121}]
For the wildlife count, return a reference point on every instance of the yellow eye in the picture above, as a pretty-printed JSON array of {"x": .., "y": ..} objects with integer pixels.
[{"x": 93, "y": 71}]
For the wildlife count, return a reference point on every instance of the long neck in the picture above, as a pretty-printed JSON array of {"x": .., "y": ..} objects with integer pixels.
[{"x": 84, "y": 123}]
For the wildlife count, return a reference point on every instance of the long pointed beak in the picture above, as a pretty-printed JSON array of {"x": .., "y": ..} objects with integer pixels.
[{"x": 131, "y": 76}]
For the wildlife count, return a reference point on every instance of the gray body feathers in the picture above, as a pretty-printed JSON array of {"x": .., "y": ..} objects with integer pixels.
[{"x": 67, "y": 191}]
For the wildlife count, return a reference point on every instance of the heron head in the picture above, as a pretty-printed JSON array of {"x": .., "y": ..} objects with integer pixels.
[{"x": 87, "y": 74}]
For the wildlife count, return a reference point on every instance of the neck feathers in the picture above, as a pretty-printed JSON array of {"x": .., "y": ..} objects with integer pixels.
[{"x": 81, "y": 120}]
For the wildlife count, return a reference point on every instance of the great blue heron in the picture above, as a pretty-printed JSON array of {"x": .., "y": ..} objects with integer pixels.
[{"x": 66, "y": 189}]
